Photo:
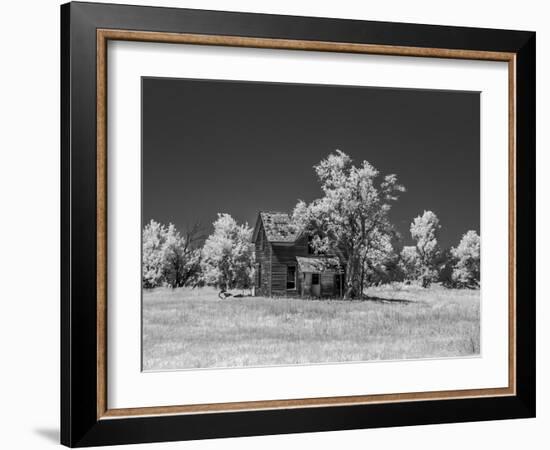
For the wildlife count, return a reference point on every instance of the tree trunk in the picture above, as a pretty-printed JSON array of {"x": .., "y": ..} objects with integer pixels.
[
  {"x": 362, "y": 280},
  {"x": 352, "y": 279}
]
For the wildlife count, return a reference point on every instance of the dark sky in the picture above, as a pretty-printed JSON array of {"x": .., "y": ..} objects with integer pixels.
[{"x": 241, "y": 147}]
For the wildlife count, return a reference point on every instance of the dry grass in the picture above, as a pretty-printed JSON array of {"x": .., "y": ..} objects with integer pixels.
[{"x": 187, "y": 328}]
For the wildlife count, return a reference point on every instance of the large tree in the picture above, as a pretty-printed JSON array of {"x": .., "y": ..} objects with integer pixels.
[
  {"x": 227, "y": 255},
  {"x": 169, "y": 258},
  {"x": 466, "y": 270},
  {"x": 181, "y": 256},
  {"x": 424, "y": 230},
  {"x": 153, "y": 241},
  {"x": 351, "y": 219}
]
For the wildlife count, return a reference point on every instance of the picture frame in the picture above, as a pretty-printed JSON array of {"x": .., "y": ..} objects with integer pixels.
[{"x": 86, "y": 419}]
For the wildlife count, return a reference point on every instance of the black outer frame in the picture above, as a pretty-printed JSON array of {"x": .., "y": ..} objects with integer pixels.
[{"x": 79, "y": 424}]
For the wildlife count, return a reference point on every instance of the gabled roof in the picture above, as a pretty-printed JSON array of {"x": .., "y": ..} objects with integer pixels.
[
  {"x": 278, "y": 227},
  {"x": 317, "y": 264}
]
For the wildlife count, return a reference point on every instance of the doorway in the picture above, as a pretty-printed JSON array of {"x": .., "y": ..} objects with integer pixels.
[{"x": 315, "y": 285}]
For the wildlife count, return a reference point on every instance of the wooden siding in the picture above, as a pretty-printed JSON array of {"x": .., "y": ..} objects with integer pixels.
[
  {"x": 283, "y": 256},
  {"x": 263, "y": 259},
  {"x": 305, "y": 287},
  {"x": 274, "y": 259},
  {"x": 328, "y": 286}
]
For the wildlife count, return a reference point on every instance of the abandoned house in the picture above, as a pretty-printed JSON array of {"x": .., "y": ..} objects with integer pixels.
[{"x": 286, "y": 264}]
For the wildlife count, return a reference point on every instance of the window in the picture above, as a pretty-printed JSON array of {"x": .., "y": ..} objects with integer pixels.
[
  {"x": 291, "y": 277},
  {"x": 315, "y": 279}
]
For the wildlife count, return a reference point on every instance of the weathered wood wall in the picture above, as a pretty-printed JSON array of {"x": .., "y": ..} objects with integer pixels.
[
  {"x": 275, "y": 258},
  {"x": 284, "y": 255},
  {"x": 263, "y": 259},
  {"x": 328, "y": 285},
  {"x": 305, "y": 287}
]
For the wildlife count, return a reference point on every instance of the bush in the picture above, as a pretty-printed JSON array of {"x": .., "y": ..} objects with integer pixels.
[{"x": 466, "y": 270}]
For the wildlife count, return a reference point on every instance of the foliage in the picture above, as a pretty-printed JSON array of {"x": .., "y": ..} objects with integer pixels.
[
  {"x": 424, "y": 230},
  {"x": 444, "y": 262},
  {"x": 388, "y": 271},
  {"x": 169, "y": 258},
  {"x": 351, "y": 219},
  {"x": 466, "y": 270},
  {"x": 410, "y": 263},
  {"x": 174, "y": 257},
  {"x": 153, "y": 241},
  {"x": 227, "y": 255}
]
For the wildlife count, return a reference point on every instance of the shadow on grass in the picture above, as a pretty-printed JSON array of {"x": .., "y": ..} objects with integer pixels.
[
  {"x": 365, "y": 298},
  {"x": 397, "y": 301}
]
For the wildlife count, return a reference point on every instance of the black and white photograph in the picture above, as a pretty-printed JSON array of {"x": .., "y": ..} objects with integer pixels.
[
  {"x": 287, "y": 224},
  {"x": 277, "y": 224}
]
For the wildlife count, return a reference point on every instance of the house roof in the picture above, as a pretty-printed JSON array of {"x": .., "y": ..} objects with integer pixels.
[
  {"x": 319, "y": 264},
  {"x": 278, "y": 227}
]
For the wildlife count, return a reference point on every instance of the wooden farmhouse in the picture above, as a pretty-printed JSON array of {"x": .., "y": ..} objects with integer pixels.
[{"x": 286, "y": 265}]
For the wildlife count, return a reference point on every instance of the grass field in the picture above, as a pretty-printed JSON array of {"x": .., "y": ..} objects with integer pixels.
[{"x": 191, "y": 328}]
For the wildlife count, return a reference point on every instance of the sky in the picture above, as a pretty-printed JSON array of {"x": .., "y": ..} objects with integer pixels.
[{"x": 242, "y": 147}]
